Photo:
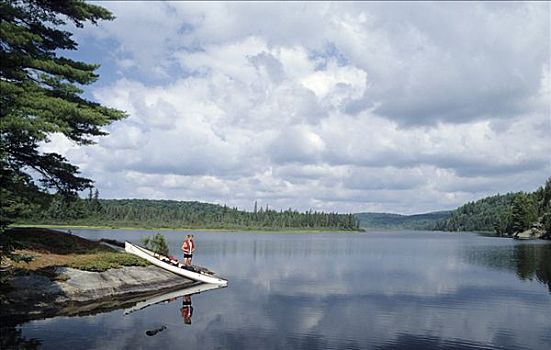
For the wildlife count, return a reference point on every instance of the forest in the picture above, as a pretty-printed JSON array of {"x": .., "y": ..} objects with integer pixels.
[
  {"x": 145, "y": 213},
  {"x": 388, "y": 221},
  {"x": 505, "y": 215},
  {"x": 501, "y": 214}
]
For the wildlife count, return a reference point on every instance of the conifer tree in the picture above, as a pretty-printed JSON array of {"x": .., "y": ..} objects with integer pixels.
[{"x": 41, "y": 95}]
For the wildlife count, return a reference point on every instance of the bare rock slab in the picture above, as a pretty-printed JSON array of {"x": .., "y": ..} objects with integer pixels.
[{"x": 37, "y": 295}]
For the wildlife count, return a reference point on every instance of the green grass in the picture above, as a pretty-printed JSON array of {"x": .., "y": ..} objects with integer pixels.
[
  {"x": 49, "y": 248},
  {"x": 105, "y": 261}
]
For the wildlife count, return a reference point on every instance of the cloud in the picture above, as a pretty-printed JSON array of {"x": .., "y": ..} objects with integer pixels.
[
  {"x": 403, "y": 107},
  {"x": 426, "y": 62},
  {"x": 297, "y": 144},
  {"x": 432, "y": 64}
]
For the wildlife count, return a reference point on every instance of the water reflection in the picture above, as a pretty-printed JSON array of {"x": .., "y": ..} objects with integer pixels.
[
  {"x": 186, "y": 310},
  {"x": 83, "y": 330},
  {"x": 153, "y": 332},
  {"x": 534, "y": 260},
  {"x": 340, "y": 291},
  {"x": 11, "y": 337},
  {"x": 528, "y": 261},
  {"x": 412, "y": 342},
  {"x": 167, "y": 297}
]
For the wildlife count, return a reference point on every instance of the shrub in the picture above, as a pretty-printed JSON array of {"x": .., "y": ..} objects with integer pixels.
[{"x": 157, "y": 243}]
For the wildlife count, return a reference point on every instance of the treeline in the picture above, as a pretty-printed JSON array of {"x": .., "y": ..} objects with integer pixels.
[
  {"x": 387, "y": 221},
  {"x": 93, "y": 211},
  {"x": 506, "y": 215}
]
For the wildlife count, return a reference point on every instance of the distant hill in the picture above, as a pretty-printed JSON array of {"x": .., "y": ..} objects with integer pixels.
[
  {"x": 387, "y": 221},
  {"x": 504, "y": 214}
]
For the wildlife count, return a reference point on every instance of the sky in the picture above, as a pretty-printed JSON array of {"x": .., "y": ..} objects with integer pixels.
[{"x": 348, "y": 106}]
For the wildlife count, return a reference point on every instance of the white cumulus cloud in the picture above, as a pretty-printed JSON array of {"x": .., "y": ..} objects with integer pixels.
[{"x": 402, "y": 107}]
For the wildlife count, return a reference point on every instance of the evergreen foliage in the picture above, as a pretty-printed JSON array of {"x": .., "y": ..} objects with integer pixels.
[
  {"x": 387, "y": 221},
  {"x": 41, "y": 96},
  {"x": 506, "y": 214},
  {"x": 156, "y": 243},
  {"x": 179, "y": 214}
]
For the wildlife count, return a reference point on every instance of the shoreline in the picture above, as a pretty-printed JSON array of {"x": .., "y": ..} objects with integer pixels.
[
  {"x": 75, "y": 292},
  {"x": 130, "y": 228},
  {"x": 52, "y": 284}
]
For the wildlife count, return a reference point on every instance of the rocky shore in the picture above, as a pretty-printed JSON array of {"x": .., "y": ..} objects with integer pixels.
[
  {"x": 75, "y": 292},
  {"x": 535, "y": 232},
  {"x": 69, "y": 275}
]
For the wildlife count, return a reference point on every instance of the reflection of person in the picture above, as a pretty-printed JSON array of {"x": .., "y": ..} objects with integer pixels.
[
  {"x": 187, "y": 309},
  {"x": 188, "y": 247}
]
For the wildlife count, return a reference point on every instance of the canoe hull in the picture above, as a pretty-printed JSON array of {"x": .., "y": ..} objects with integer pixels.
[{"x": 154, "y": 258}]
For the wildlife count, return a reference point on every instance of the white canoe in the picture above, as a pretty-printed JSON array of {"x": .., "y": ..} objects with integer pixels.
[
  {"x": 200, "y": 274},
  {"x": 159, "y": 298}
]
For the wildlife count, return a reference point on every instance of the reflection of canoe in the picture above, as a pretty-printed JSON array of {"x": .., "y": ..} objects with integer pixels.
[
  {"x": 159, "y": 298},
  {"x": 195, "y": 273}
]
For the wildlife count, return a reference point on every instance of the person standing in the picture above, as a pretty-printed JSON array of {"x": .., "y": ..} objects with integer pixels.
[{"x": 188, "y": 247}]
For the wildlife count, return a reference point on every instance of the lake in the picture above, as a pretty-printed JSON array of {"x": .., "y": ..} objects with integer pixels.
[{"x": 387, "y": 290}]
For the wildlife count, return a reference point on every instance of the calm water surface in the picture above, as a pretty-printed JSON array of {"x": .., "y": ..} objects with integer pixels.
[{"x": 397, "y": 290}]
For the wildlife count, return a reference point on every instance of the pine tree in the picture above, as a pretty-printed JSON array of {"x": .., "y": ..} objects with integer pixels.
[
  {"x": 524, "y": 213},
  {"x": 40, "y": 96}
]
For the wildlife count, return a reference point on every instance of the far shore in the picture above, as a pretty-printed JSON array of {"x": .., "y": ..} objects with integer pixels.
[
  {"x": 246, "y": 229},
  {"x": 131, "y": 228}
]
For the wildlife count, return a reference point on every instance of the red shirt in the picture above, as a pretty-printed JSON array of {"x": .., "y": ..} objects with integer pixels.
[{"x": 188, "y": 247}]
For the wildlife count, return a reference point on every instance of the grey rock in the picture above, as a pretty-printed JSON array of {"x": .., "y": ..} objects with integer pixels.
[{"x": 38, "y": 296}]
